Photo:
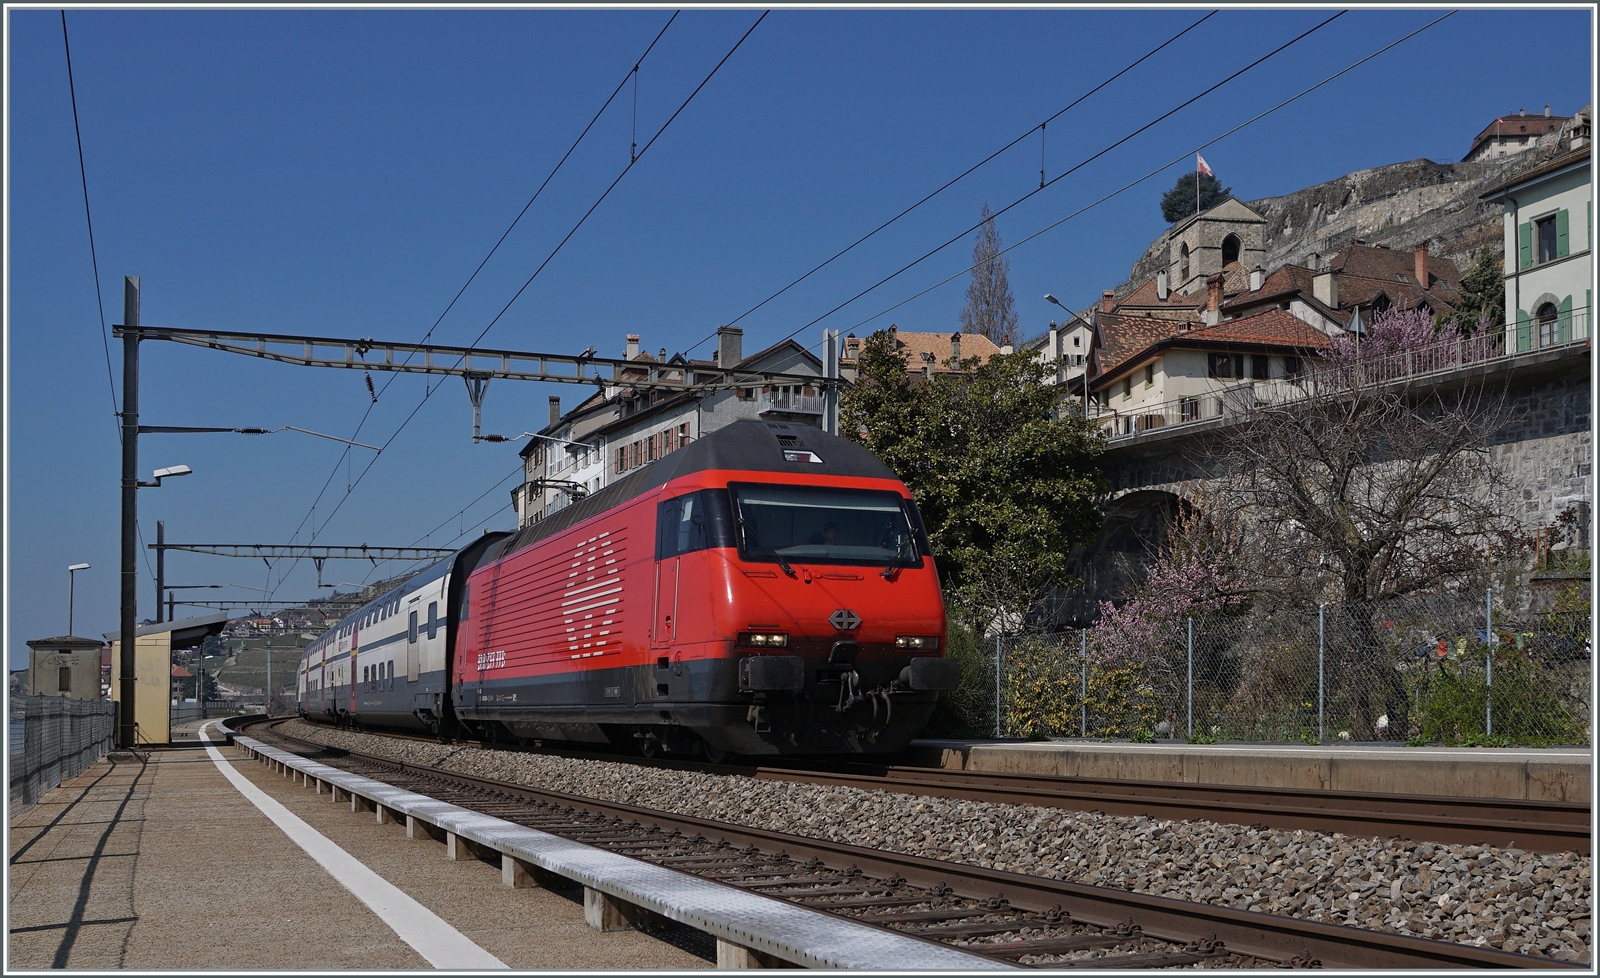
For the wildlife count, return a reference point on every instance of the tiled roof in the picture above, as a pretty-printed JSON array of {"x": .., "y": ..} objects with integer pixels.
[
  {"x": 1273, "y": 327},
  {"x": 1176, "y": 305},
  {"x": 1285, "y": 281},
  {"x": 1125, "y": 337},
  {"x": 1389, "y": 265}
]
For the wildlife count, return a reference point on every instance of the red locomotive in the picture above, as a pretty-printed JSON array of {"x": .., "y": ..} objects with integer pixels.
[{"x": 767, "y": 589}]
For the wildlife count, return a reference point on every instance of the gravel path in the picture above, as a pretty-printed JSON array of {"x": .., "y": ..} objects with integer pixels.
[{"x": 1505, "y": 898}]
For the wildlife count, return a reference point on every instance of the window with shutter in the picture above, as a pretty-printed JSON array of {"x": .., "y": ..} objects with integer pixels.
[{"x": 1545, "y": 239}]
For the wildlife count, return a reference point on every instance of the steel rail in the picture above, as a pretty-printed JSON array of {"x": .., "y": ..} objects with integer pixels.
[
  {"x": 1535, "y": 826},
  {"x": 1266, "y": 936},
  {"x": 1530, "y": 825}
]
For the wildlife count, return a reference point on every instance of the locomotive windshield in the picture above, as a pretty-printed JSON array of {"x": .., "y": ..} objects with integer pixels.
[{"x": 830, "y": 526}]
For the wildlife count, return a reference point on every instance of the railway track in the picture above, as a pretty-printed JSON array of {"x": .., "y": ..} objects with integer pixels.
[
  {"x": 1006, "y": 916},
  {"x": 1534, "y": 826}
]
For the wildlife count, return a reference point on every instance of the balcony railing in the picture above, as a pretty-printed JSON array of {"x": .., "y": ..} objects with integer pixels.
[
  {"x": 1239, "y": 399},
  {"x": 786, "y": 403}
]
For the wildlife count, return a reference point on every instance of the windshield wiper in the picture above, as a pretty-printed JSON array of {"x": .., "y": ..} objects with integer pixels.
[
  {"x": 895, "y": 563},
  {"x": 751, "y": 540}
]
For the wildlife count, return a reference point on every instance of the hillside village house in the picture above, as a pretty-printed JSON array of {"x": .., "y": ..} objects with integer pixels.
[
  {"x": 619, "y": 429},
  {"x": 1165, "y": 355},
  {"x": 1513, "y": 134},
  {"x": 1549, "y": 230},
  {"x": 926, "y": 353}
]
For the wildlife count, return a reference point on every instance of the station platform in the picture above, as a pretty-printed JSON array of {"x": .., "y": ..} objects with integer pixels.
[
  {"x": 160, "y": 861},
  {"x": 1547, "y": 774}
]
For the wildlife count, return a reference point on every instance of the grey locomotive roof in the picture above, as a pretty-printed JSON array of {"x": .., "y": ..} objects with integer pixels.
[{"x": 751, "y": 446}]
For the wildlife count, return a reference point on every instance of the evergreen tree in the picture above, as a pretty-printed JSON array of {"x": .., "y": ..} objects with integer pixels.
[
  {"x": 1483, "y": 293},
  {"x": 989, "y": 308},
  {"x": 1178, "y": 203}
]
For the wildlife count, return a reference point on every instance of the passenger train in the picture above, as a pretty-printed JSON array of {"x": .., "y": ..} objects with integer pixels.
[{"x": 767, "y": 589}]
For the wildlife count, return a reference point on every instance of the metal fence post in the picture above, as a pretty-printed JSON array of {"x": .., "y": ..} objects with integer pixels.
[
  {"x": 1190, "y": 709},
  {"x": 1083, "y": 698},
  {"x": 1488, "y": 663},
  {"x": 1321, "y": 647},
  {"x": 997, "y": 687}
]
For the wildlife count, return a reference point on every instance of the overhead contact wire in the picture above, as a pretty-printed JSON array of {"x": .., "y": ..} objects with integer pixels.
[
  {"x": 963, "y": 175},
  {"x": 1175, "y": 160},
  {"x": 94, "y": 259},
  {"x": 632, "y": 73},
  {"x": 551, "y": 256},
  {"x": 1078, "y": 166}
]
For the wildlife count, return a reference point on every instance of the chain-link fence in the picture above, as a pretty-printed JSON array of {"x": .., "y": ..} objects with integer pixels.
[
  {"x": 1442, "y": 669},
  {"x": 54, "y": 738}
]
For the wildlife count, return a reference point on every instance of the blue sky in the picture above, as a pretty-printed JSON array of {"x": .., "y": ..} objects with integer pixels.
[{"x": 342, "y": 172}]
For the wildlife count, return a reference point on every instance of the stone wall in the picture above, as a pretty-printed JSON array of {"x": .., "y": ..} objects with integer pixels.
[
  {"x": 1545, "y": 449},
  {"x": 1548, "y": 450}
]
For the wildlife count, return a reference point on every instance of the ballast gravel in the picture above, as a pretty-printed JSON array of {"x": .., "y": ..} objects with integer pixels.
[{"x": 1529, "y": 903}]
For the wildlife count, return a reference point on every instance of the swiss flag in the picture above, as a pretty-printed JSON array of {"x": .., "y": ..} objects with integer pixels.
[{"x": 1200, "y": 164}]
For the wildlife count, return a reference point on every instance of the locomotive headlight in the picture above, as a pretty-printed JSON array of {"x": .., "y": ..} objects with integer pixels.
[
  {"x": 764, "y": 640},
  {"x": 916, "y": 642}
]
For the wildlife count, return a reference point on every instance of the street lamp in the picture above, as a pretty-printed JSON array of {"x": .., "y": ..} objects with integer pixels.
[
  {"x": 71, "y": 569},
  {"x": 171, "y": 472},
  {"x": 1085, "y": 378}
]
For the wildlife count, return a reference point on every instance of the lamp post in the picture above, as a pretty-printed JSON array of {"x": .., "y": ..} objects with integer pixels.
[
  {"x": 1085, "y": 379},
  {"x": 72, "y": 569}
]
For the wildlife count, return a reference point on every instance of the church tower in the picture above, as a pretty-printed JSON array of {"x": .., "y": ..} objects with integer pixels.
[{"x": 1211, "y": 242}]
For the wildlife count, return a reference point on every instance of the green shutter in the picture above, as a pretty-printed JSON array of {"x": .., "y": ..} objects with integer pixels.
[
  {"x": 1524, "y": 245},
  {"x": 1561, "y": 234},
  {"x": 1524, "y": 338},
  {"x": 1564, "y": 324}
]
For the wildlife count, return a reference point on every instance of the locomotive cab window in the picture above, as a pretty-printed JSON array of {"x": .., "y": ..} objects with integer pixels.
[
  {"x": 826, "y": 526},
  {"x": 698, "y": 521}
]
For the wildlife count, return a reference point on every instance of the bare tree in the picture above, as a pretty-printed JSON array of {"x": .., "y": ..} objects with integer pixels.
[
  {"x": 1364, "y": 495},
  {"x": 989, "y": 309}
]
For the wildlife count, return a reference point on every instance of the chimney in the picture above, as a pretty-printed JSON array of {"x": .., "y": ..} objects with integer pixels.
[
  {"x": 729, "y": 341},
  {"x": 1325, "y": 287},
  {"x": 555, "y": 410},
  {"x": 1214, "y": 298},
  {"x": 1258, "y": 275},
  {"x": 1161, "y": 285},
  {"x": 1005, "y": 345},
  {"x": 633, "y": 346},
  {"x": 1547, "y": 110},
  {"x": 1108, "y": 300},
  {"x": 955, "y": 346},
  {"x": 1421, "y": 269}
]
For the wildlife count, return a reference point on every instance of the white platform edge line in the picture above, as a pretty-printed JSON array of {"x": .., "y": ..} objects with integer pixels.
[
  {"x": 440, "y": 944},
  {"x": 830, "y": 941}
]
